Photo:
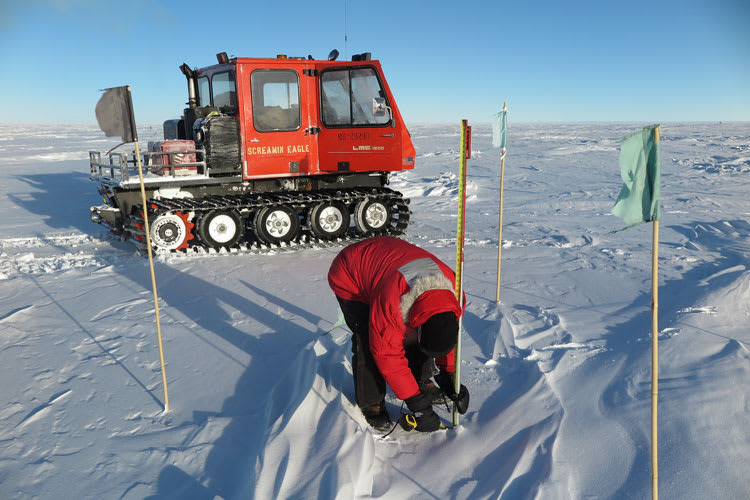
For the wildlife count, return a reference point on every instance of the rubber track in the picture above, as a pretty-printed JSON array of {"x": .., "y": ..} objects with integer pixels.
[{"x": 297, "y": 200}]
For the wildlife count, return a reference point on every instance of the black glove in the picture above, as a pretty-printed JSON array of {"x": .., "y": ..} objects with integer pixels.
[
  {"x": 447, "y": 383},
  {"x": 427, "y": 419}
]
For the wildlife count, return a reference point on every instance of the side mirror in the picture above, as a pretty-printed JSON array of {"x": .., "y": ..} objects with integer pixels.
[{"x": 378, "y": 107}]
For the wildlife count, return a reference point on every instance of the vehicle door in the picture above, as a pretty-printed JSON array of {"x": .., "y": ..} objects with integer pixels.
[
  {"x": 276, "y": 121},
  {"x": 358, "y": 130}
]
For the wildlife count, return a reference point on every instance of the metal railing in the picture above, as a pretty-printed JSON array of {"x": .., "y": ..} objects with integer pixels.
[{"x": 123, "y": 166}]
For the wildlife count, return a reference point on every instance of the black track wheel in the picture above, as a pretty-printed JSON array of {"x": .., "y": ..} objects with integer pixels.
[
  {"x": 372, "y": 215},
  {"x": 329, "y": 220},
  {"x": 220, "y": 228},
  {"x": 276, "y": 224}
]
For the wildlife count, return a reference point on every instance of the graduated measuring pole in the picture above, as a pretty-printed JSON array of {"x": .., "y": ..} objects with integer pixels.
[{"x": 460, "y": 237}]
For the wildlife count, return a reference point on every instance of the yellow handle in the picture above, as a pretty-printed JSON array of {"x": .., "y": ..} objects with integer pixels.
[{"x": 411, "y": 421}]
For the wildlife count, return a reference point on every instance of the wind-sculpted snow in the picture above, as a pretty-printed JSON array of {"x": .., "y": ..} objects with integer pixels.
[{"x": 260, "y": 381}]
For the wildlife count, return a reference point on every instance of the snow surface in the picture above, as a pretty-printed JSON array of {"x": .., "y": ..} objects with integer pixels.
[{"x": 261, "y": 397}]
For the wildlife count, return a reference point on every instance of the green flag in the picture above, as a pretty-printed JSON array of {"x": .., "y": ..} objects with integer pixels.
[
  {"x": 499, "y": 129},
  {"x": 638, "y": 201}
]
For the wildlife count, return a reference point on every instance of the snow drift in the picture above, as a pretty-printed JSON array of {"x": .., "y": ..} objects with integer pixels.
[{"x": 259, "y": 381}]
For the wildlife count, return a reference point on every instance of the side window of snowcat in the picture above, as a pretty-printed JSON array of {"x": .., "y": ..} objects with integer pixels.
[
  {"x": 275, "y": 95},
  {"x": 224, "y": 90},
  {"x": 347, "y": 98},
  {"x": 204, "y": 91}
]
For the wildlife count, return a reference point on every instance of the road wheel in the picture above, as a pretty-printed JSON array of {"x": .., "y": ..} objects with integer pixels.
[
  {"x": 329, "y": 220},
  {"x": 220, "y": 228},
  {"x": 372, "y": 216},
  {"x": 170, "y": 231},
  {"x": 276, "y": 224}
]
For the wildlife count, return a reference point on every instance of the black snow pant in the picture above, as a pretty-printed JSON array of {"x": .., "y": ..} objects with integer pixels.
[{"x": 369, "y": 384}]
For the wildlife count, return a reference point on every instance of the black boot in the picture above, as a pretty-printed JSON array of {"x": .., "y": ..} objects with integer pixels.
[{"x": 377, "y": 416}]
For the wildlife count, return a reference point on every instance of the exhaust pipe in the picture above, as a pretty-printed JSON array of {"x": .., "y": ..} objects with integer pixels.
[{"x": 192, "y": 92}]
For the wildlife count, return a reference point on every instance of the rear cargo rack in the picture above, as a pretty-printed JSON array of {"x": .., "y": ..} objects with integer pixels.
[{"x": 121, "y": 167}]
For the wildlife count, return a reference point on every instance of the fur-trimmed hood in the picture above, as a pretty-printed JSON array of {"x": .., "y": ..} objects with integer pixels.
[{"x": 421, "y": 301}]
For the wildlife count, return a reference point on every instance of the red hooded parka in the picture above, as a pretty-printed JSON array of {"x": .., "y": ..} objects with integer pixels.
[{"x": 404, "y": 286}]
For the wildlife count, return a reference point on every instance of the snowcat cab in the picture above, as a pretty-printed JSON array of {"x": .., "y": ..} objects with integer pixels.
[{"x": 268, "y": 151}]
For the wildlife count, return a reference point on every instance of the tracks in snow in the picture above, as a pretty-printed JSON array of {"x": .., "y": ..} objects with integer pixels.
[{"x": 54, "y": 253}]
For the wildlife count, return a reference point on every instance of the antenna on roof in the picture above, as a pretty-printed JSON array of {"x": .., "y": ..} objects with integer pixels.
[{"x": 345, "y": 31}]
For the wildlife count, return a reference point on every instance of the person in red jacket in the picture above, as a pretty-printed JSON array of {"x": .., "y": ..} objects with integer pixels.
[{"x": 399, "y": 302}]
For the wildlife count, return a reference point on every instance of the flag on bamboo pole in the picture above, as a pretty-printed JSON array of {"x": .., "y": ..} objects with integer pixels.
[
  {"x": 638, "y": 201},
  {"x": 499, "y": 129},
  {"x": 114, "y": 113}
]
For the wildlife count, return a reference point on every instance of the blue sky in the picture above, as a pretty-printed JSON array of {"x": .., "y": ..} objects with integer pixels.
[{"x": 575, "y": 61}]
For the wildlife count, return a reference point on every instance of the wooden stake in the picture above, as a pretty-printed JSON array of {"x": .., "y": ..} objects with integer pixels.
[{"x": 153, "y": 276}]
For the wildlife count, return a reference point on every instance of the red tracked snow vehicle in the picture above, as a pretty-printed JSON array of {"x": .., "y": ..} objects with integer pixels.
[{"x": 269, "y": 151}]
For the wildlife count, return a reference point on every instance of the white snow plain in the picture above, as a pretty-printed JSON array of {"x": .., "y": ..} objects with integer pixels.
[{"x": 261, "y": 397}]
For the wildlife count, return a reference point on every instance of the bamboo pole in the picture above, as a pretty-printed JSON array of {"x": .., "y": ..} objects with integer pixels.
[
  {"x": 655, "y": 354},
  {"x": 655, "y": 365},
  {"x": 153, "y": 276},
  {"x": 500, "y": 223}
]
